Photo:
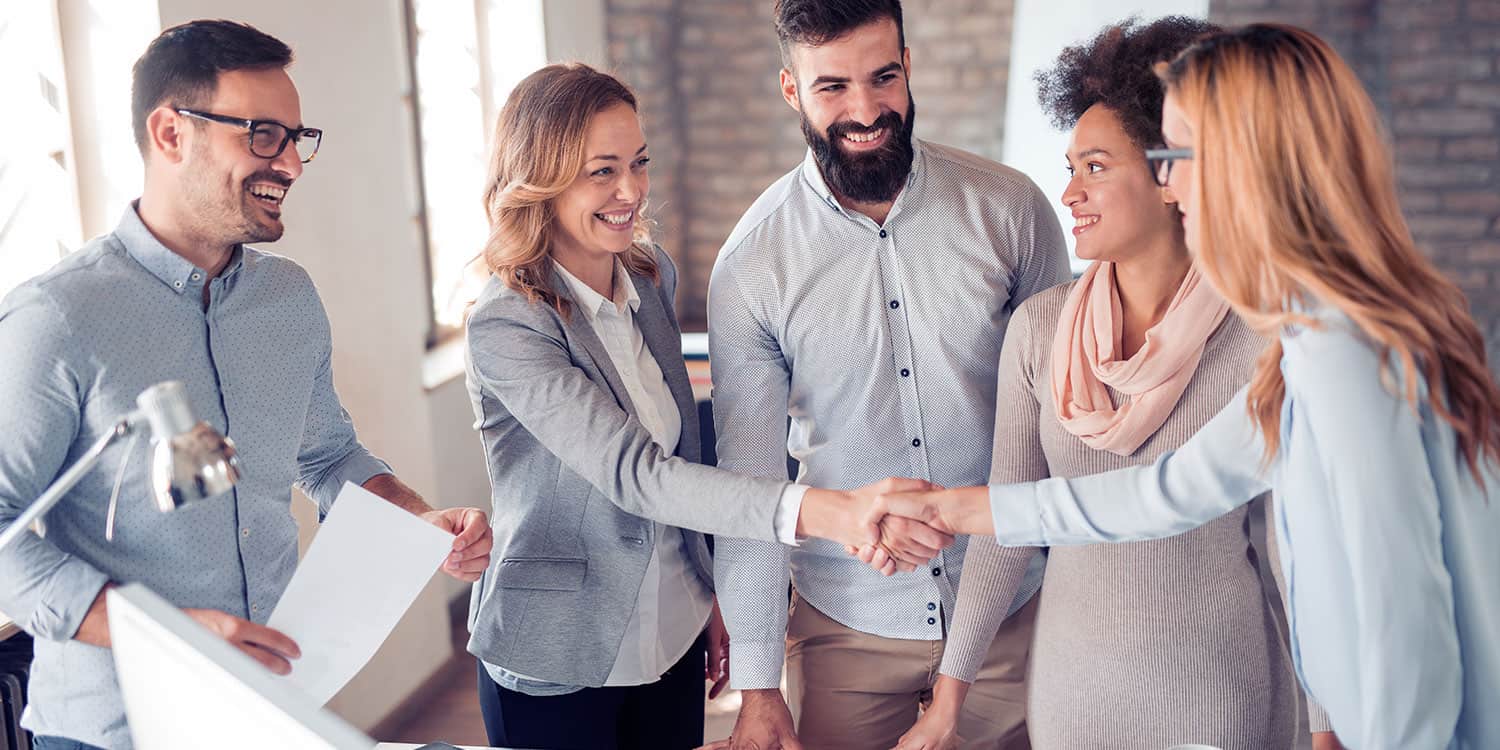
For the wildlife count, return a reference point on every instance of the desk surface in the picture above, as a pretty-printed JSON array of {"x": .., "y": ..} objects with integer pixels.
[{"x": 406, "y": 746}]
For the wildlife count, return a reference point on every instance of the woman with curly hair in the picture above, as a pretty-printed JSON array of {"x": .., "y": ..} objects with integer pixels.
[
  {"x": 1372, "y": 413},
  {"x": 1162, "y": 642}
]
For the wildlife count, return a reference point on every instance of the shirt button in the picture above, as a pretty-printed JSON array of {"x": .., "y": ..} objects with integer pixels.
[
  {"x": 196, "y": 276},
  {"x": 245, "y": 532},
  {"x": 895, "y": 304},
  {"x": 905, "y": 373},
  {"x": 916, "y": 442},
  {"x": 177, "y": 284},
  {"x": 937, "y": 572},
  {"x": 256, "y": 608},
  {"x": 882, "y": 234},
  {"x": 931, "y": 606},
  {"x": 932, "y": 621}
]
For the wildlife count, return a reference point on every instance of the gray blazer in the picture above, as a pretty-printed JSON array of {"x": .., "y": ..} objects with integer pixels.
[{"x": 576, "y": 481}]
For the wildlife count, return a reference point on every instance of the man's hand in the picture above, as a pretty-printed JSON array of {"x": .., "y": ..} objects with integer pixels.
[
  {"x": 472, "y": 541},
  {"x": 904, "y": 545},
  {"x": 717, "y": 669},
  {"x": 269, "y": 647},
  {"x": 765, "y": 723}
]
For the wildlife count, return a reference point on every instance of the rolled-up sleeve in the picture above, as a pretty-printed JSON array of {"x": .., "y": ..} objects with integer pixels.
[
  {"x": 45, "y": 590},
  {"x": 331, "y": 453}
]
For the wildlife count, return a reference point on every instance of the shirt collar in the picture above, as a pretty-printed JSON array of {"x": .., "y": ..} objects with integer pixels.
[
  {"x": 172, "y": 269},
  {"x": 593, "y": 302},
  {"x": 814, "y": 175}
]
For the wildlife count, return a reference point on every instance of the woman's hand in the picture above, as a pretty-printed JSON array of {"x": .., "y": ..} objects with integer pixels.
[{"x": 937, "y": 727}]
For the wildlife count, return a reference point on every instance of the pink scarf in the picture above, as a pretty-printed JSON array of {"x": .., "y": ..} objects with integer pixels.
[{"x": 1085, "y": 358}]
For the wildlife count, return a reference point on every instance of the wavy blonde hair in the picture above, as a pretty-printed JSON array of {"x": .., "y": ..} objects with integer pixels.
[
  {"x": 1298, "y": 204},
  {"x": 537, "y": 153}
]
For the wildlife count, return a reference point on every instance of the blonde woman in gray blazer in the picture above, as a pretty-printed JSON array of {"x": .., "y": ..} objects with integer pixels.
[{"x": 592, "y": 621}]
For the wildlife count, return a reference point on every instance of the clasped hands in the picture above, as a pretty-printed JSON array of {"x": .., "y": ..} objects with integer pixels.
[{"x": 892, "y": 525}]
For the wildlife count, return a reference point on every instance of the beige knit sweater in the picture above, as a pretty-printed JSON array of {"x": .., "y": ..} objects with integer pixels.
[{"x": 1139, "y": 645}]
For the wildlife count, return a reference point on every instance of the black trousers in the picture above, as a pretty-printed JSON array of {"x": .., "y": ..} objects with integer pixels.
[{"x": 664, "y": 715}]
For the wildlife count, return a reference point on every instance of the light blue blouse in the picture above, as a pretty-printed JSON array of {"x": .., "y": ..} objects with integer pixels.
[{"x": 1391, "y": 549}]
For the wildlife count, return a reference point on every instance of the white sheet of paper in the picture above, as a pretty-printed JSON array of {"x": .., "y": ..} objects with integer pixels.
[{"x": 366, "y": 565}]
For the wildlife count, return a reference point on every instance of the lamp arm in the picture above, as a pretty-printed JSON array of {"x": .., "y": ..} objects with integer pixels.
[{"x": 65, "y": 482}]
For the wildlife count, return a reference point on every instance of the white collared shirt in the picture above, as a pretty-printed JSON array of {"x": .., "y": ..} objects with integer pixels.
[{"x": 674, "y": 604}]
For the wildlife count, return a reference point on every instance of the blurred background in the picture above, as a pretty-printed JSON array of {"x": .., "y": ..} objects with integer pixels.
[{"x": 388, "y": 218}]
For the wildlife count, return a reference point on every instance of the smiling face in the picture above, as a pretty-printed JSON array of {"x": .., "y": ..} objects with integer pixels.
[
  {"x": 1178, "y": 133},
  {"x": 596, "y": 215},
  {"x": 230, "y": 195},
  {"x": 1118, "y": 209},
  {"x": 856, "y": 109}
]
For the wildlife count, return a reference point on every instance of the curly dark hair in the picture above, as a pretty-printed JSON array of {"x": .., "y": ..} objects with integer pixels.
[{"x": 1115, "y": 69}]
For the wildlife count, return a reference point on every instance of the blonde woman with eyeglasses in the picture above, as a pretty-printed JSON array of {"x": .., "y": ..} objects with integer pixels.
[{"x": 1372, "y": 414}]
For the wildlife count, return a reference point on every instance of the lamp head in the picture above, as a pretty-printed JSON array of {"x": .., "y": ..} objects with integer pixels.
[{"x": 190, "y": 460}]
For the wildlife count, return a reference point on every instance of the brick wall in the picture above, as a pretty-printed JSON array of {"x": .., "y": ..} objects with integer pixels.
[
  {"x": 1433, "y": 67},
  {"x": 706, "y": 74},
  {"x": 719, "y": 132}
]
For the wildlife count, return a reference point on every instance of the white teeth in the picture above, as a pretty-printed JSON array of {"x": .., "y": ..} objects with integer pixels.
[
  {"x": 618, "y": 220},
  {"x": 268, "y": 191},
  {"x": 1084, "y": 221},
  {"x": 864, "y": 137}
]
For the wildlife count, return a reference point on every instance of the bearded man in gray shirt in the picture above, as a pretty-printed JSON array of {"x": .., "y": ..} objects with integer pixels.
[{"x": 865, "y": 294}]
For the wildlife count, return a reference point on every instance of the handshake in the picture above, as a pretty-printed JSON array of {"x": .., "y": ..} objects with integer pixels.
[{"x": 891, "y": 525}]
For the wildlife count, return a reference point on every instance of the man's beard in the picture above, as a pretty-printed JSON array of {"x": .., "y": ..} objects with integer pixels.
[{"x": 873, "y": 177}]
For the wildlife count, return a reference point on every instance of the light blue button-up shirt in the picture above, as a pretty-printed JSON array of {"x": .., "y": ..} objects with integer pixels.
[
  {"x": 881, "y": 343},
  {"x": 80, "y": 342},
  {"x": 1392, "y": 550}
]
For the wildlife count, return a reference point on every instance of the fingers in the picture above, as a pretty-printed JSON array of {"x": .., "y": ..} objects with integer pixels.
[
  {"x": 276, "y": 664},
  {"x": 717, "y": 745},
  {"x": 903, "y": 484},
  {"x": 928, "y": 538},
  {"x": 719, "y": 685},
  {"x": 263, "y": 637},
  {"x": 473, "y": 526},
  {"x": 271, "y": 648}
]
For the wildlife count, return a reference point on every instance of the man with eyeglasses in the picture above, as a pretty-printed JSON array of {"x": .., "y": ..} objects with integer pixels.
[{"x": 175, "y": 293}]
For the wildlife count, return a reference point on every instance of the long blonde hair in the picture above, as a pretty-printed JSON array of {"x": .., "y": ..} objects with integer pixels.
[
  {"x": 1298, "y": 204},
  {"x": 538, "y": 152}
]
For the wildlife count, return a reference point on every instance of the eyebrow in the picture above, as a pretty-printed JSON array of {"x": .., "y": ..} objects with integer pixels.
[
  {"x": 1091, "y": 152},
  {"x": 888, "y": 67},
  {"x": 612, "y": 157}
]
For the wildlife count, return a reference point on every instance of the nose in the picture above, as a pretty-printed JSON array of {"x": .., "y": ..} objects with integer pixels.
[
  {"x": 1073, "y": 193},
  {"x": 864, "y": 107},
  {"x": 631, "y": 187},
  {"x": 288, "y": 164}
]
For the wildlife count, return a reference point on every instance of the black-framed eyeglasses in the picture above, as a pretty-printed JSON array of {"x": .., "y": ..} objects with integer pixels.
[
  {"x": 1161, "y": 160},
  {"x": 268, "y": 138}
]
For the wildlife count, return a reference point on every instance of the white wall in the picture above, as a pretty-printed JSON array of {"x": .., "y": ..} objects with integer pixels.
[{"x": 1041, "y": 30}]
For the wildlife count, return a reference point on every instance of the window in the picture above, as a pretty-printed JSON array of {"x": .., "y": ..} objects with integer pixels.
[
  {"x": 38, "y": 206},
  {"x": 466, "y": 57}
]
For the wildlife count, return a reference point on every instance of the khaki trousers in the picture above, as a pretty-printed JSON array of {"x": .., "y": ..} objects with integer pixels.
[{"x": 856, "y": 691}]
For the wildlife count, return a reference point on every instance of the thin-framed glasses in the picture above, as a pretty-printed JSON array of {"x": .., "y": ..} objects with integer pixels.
[
  {"x": 268, "y": 138},
  {"x": 1161, "y": 160}
]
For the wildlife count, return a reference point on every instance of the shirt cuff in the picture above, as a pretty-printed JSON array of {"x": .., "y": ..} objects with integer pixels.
[
  {"x": 356, "y": 468},
  {"x": 1018, "y": 520},
  {"x": 71, "y": 591},
  {"x": 755, "y": 666},
  {"x": 787, "y": 511}
]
